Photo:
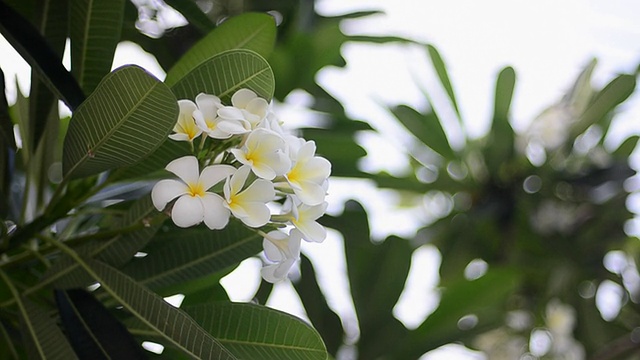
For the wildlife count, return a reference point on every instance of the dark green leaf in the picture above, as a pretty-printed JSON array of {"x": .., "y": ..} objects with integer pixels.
[
  {"x": 95, "y": 32},
  {"x": 154, "y": 164},
  {"x": 626, "y": 148},
  {"x": 93, "y": 331},
  {"x": 35, "y": 50},
  {"x": 224, "y": 74},
  {"x": 127, "y": 117},
  {"x": 315, "y": 304},
  {"x": 484, "y": 297},
  {"x": 250, "y": 31}
]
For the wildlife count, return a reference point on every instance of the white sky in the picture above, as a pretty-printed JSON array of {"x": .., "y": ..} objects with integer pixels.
[{"x": 546, "y": 41}]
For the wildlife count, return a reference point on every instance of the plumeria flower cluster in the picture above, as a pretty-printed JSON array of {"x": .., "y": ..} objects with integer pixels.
[{"x": 244, "y": 163}]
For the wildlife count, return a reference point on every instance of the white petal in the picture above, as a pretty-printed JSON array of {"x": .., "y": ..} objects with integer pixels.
[
  {"x": 242, "y": 97},
  {"x": 230, "y": 112},
  {"x": 257, "y": 214},
  {"x": 237, "y": 180},
  {"x": 208, "y": 104},
  {"x": 258, "y": 106},
  {"x": 187, "y": 211},
  {"x": 240, "y": 156},
  {"x": 314, "y": 212},
  {"x": 263, "y": 170},
  {"x": 312, "y": 231},
  {"x": 317, "y": 169},
  {"x": 166, "y": 190},
  {"x": 261, "y": 190},
  {"x": 309, "y": 193},
  {"x": 186, "y": 168},
  {"x": 295, "y": 237},
  {"x": 307, "y": 151},
  {"x": 179, "y": 137},
  {"x": 272, "y": 252},
  {"x": 216, "y": 216},
  {"x": 213, "y": 174},
  {"x": 234, "y": 126},
  {"x": 187, "y": 107},
  {"x": 276, "y": 272}
]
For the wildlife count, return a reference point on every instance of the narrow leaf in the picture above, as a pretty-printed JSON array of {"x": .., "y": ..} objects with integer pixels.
[
  {"x": 501, "y": 138},
  {"x": 617, "y": 91},
  {"x": 426, "y": 127},
  {"x": 250, "y": 31},
  {"x": 322, "y": 317},
  {"x": 441, "y": 70},
  {"x": 127, "y": 117},
  {"x": 171, "y": 323},
  {"x": 95, "y": 32},
  {"x": 225, "y": 73},
  {"x": 37, "y": 52},
  {"x": 93, "y": 331},
  {"x": 256, "y": 332}
]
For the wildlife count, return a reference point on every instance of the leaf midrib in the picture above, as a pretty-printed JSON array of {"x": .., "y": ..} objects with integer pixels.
[
  {"x": 114, "y": 129},
  {"x": 198, "y": 260}
]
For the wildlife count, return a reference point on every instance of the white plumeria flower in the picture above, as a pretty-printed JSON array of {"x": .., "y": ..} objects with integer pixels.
[
  {"x": 283, "y": 250},
  {"x": 304, "y": 217},
  {"x": 264, "y": 152},
  {"x": 206, "y": 116},
  {"x": 186, "y": 128},
  {"x": 250, "y": 205},
  {"x": 247, "y": 106},
  {"x": 195, "y": 204},
  {"x": 308, "y": 177}
]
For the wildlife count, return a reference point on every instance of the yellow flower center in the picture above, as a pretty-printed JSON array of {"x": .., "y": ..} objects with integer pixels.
[
  {"x": 294, "y": 174},
  {"x": 196, "y": 189}
]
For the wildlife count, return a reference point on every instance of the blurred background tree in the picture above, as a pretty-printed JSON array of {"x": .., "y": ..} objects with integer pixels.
[{"x": 531, "y": 225}]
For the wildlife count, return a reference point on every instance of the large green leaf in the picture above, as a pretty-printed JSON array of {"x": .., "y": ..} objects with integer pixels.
[
  {"x": 251, "y": 31},
  {"x": 180, "y": 255},
  {"x": 256, "y": 332},
  {"x": 152, "y": 165},
  {"x": 127, "y": 117},
  {"x": 315, "y": 304},
  {"x": 95, "y": 32},
  {"x": 225, "y": 73},
  {"x": 43, "y": 337},
  {"x": 484, "y": 297},
  {"x": 170, "y": 323},
  {"x": 93, "y": 331},
  {"x": 426, "y": 127},
  {"x": 142, "y": 217}
]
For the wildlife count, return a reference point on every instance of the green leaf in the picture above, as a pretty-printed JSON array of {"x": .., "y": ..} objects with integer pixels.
[
  {"x": 27, "y": 40},
  {"x": 252, "y": 331},
  {"x": 225, "y": 73},
  {"x": 441, "y": 70},
  {"x": 95, "y": 32},
  {"x": 170, "y": 323},
  {"x": 93, "y": 331},
  {"x": 617, "y": 91},
  {"x": 501, "y": 138},
  {"x": 426, "y": 127},
  {"x": 484, "y": 297},
  {"x": 154, "y": 164},
  {"x": 250, "y": 31},
  {"x": 127, "y": 117},
  {"x": 315, "y": 304},
  {"x": 180, "y": 255},
  {"x": 43, "y": 337},
  {"x": 626, "y": 148}
]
